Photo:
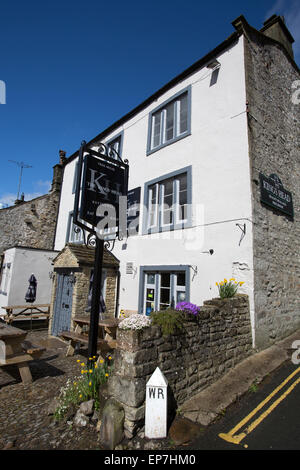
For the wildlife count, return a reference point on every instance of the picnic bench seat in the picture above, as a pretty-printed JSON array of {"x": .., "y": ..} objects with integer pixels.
[
  {"x": 23, "y": 312},
  {"x": 15, "y": 350},
  {"x": 76, "y": 338}
]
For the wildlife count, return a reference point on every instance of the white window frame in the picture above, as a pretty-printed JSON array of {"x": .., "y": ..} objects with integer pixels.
[
  {"x": 162, "y": 112},
  {"x": 156, "y": 286},
  {"x": 159, "y": 206}
]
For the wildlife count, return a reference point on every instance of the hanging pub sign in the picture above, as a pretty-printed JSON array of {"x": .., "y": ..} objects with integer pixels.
[
  {"x": 275, "y": 195},
  {"x": 101, "y": 187},
  {"x": 103, "y": 183},
  {"x": 100, "y": 190}
]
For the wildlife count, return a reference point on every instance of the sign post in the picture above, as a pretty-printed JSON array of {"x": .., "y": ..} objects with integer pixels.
[
  {"x": 156, "y": 406},
  {"x": 102, "y": 179}
]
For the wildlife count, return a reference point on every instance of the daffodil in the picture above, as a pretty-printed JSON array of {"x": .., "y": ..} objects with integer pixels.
[
  {"x": 90, "y": 371},
  {"x": 90, "y": 384},
  {"x": 106, "y": 375},
  {"x": 109, "y": 357}
]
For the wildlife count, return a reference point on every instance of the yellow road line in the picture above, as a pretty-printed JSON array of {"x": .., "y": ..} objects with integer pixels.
[{"x": 236, "y": 439}]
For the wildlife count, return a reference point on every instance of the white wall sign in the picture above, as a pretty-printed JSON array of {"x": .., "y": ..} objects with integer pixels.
[{"x": 156, "y": 406}]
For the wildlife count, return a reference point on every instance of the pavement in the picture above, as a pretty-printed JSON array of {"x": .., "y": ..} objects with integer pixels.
[{"x": 204, "y": 407}]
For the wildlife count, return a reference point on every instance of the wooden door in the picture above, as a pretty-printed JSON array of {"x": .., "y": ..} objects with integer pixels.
[{"x": 63, "y": 304}]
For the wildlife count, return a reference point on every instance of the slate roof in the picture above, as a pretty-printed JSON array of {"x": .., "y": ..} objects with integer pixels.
[{"x": 86, "y": 255}]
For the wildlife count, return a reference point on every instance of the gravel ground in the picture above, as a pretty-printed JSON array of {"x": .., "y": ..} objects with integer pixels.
[{"x": 24, "y": 420}]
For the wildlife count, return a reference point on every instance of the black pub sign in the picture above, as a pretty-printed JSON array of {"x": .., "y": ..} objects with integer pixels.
[
  {"x": 275, "y": 195},
  {"x": 103, "y": 183}
]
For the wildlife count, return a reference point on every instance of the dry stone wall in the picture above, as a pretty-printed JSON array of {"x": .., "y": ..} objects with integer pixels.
[{"x": 191, "y": 359}]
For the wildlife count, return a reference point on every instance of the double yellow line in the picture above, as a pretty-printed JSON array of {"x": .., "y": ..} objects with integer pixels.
[{"x": 234, "y": 438}]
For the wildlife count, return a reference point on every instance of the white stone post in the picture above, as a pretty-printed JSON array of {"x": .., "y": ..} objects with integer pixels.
[{"x": 156, "y": 406}]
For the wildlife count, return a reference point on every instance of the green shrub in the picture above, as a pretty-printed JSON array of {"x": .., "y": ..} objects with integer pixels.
[{"x": 169, "y": 320}]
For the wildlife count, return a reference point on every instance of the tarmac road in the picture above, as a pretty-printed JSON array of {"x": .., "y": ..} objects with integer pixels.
[{"x": 267, "y": 417}]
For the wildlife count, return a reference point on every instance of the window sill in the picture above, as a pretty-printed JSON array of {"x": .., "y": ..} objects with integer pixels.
[
  {"x": 170, "y": 142},
  {"x": 168, "y": 228}
]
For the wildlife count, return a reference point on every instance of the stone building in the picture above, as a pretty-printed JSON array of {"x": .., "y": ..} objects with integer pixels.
[
  {"x": 27, "y": 232},
  {"x": 219, "y": 146},
  {"x": 72, "y": 268}
]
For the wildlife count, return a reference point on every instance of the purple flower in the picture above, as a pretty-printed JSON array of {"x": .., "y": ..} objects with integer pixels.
[{"x": 188, "y": 307}]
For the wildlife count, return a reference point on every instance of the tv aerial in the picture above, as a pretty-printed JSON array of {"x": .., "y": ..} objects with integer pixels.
[{"x": 21, "y": 165}]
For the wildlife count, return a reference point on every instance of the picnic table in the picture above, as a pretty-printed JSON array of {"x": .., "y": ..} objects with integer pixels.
[
  {"x": 26, "y": 311},
  {"x": 15, "y": 350},
  {"x": 106, "y": 334}
]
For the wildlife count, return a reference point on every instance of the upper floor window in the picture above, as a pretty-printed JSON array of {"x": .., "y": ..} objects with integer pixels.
[
  {"x": 116, "y": 145},
  {"x": 170, "y": 122},
  {"x": 168, "y": 202}
]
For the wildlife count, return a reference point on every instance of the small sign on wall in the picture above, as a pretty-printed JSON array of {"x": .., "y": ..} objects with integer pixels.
[{"x": 275, "y": 195}]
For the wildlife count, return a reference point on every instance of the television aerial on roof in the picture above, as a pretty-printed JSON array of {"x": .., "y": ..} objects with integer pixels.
[{"x": 21, "y": 165}]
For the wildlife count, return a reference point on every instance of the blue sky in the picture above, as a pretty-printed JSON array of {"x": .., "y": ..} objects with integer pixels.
[{"x": 72, "y": 68}]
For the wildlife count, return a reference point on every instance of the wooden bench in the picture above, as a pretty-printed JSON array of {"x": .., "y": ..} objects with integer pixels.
[
  {"x": 30, "y": 311},
  {"x": 15, "y": 350},
  {"x": 76, "y": 338}
]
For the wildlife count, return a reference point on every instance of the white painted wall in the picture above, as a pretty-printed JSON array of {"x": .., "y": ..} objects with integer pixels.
[
  {"x": 217, "y": 149},
  {"x": 24, "y": 262}
]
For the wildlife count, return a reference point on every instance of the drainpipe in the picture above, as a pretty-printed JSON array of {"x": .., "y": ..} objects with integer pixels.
[{"x": 117, "y": 293}]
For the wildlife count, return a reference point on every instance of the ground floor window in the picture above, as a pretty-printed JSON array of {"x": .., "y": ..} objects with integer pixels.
[{"x": 163, "y": 289}]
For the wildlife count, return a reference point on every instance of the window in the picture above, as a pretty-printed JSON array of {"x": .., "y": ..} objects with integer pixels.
[
  {"x": 163, "y": 288},
  {"x": 170, "y": 122},
  {"x": 168, "y": 202},
  {"x": 116, "y": 145},
  {"x": 74, "y": 233}
]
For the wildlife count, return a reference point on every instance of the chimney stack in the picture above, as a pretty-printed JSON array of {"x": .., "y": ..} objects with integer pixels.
[
  {"x": 62, "y": 157},
  {"x": 275, "y": 28}
]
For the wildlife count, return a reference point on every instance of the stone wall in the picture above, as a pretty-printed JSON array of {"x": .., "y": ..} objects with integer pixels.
[
  {"x": 32, "y": 223},
  {"x": 191, "y": 359},
  {"x": 274, "y": 143}
]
